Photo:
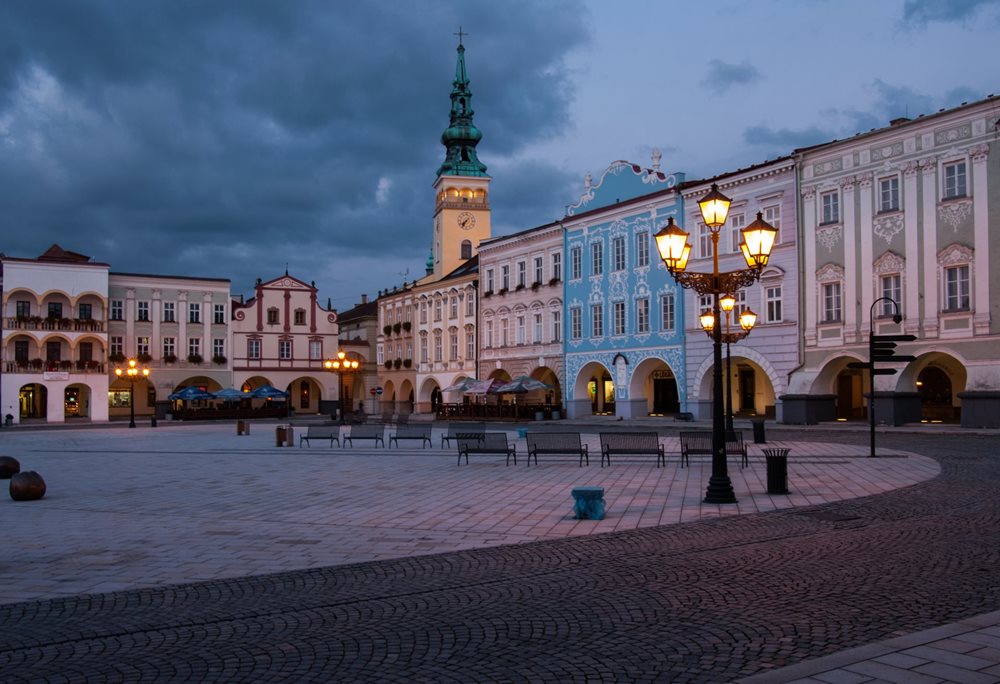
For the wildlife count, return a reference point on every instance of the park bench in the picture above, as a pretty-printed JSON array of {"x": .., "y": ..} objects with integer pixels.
[
  {"x": 632, "y": 443},
  {"x": 372, "y": 432},
  {"x": 457, "y": 430},
  {"x": 701, "y": 443},
  {"x": 485, "y": 443},
  {"x": 556, "y": 443},
  {"x": 330, "y": 432},
  {"x": 404, "y": 431}
]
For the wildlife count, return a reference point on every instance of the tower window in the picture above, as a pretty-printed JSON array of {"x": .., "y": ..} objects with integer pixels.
[{"x": 466, "y": 249}]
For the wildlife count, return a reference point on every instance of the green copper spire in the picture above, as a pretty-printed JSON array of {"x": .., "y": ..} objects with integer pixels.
[{"x": 461, "y": 136}]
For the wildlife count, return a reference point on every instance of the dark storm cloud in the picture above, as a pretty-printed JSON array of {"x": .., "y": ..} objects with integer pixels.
[
  {"x": 722, "y": 76},
  {"x": 225, "y": 139},
  {"x": 922, "y": 11},
  {"x": 888, "y": 102}
]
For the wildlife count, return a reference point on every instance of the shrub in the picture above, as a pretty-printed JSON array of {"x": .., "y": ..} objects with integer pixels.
[
  {"x": 170, "y": 358},
  {"x": 116, "y": 357},
  {"x": 219, "y": 359},
  {"x": 195, "y": 358}
]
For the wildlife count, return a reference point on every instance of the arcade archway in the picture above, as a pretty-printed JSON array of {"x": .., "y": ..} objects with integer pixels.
[{"x": 654, "y": 382}]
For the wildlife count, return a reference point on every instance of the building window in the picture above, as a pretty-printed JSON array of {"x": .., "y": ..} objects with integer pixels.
[
  {"x": 642, "y": 315},
  {"x": 470, "y": 344},
  {"x": 315, "y": 350},
  {"x": 219, "y": 314},
  {"x": 142, "y": 311},
  {"x": 194, "y": 312},
  {"x": 772, "y": 215},
  {"x": 557, "y": 266},
  {"x": 505, "y": 277},
  {"x": 119, "y": 398},
  {"x": 597, "y": 320},
  {"x": 116, "y": 345},
  {"x": 956, "y": 288},
  {"x": 142, "y": 345},
  {"x": 194, "y": 346},
  {"x": 539, "y": 269},
  {"x": 772, "y": 297},
  {"x": 423, "y": 312},
  {"x": 253, "y": 349},
  {"x": 117, "y": 310},
  {"x": 537, "y": 337},
  {"x": 85, "y": 311},
  {"x": 504, "y": 340},
  {"x": 575, "y": 263},
  {"x": 597, "y": 258},
  {"x": 466, "y": 249},
  {"x": 437, "y": 347},
  {"x": 831, "y": 303},
  {"x": 575, "y": 323},
  {"x": 299, "y": 317},
  {"x": 556, "y": 325},
  {"x": 55, "y": 310},
  {"x": 522, "y": 274},
  {"x": 619, "y": 318},
  {"x": 740, "y": 306},
  {"x": 453, "y": 345},
  {"x": 53, "y": 351},
  {"x": 891, "y": 286},
  {"x": 424, "y": 351},
  {"x": 284, "y": 349},
  {"x": 618, "y": 253},
  {"x": 438, "y": 306},
  {"x": 667, "y": 311},
  {"x": 489, "y": 280},
  {"x": 454, "y": 306},
  {"x": 169, "y": 347},
  {"x": 86, "y": 351},
  {"x": 489, "y": 334},
  {"x": 218, "y": 347},
  {"x": 21, "y": 351},
  {"x": 642, "y": 248},
  {"x": 831, "y": 207},
  {"x": 24, "y": 309},
  {"x": 704, "y": 241},
  {"x": 736, "y": 224},
  {"x": 954, "y": 180},
  {"x": 168, "y": 312},
  {"x": 272, "y": 316},
  {"x": 520, "y": 330},
  {"x": 888, "y": 194}
]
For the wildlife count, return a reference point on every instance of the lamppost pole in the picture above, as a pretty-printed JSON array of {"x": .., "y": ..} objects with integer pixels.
[
  {"x": 671, "y": 242},
  {"x": 132, "y": 372}
]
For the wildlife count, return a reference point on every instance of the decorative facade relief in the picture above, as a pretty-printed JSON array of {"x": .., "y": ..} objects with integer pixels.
[
  {"x": 950, "y": 135},
  {"x": 865, "y": 179},
  {"x": 829, "y": 273},
  {"x": 955, "y": 254},
  {"x": 827, "y": 167},
  {"x": 887, "y": 151},
  {"x": 954, "y": 213},
  {"x": 829, "y": 236},
  {"x": 889, "y": 262},
  {"x": 979, "y": 152},
  {"x": 887, "y": 227},
  {"x": 808, "y": 193}
]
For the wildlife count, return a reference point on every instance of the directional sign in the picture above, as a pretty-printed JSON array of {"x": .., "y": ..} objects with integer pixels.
[
  {"x": 884, "y": 371},
  {"x": 372, "y": 390},
  {"x": 378, "y": 390},
  {"x": 859, "y": 364},
  {"x": 894, "y": 338}
]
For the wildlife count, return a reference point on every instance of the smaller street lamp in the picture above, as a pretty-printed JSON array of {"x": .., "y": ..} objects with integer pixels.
[
  {"x": 747, "y": 319},
  {"x": 131, "y": 372},
  {"x": 342, "y": 365}
]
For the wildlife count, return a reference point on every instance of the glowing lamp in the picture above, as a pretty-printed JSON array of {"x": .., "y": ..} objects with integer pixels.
[
  {"x": 707, "y": 321},
  {"x": 714, "y": 208},
  {"x": 747, "y": 320},
  {"x": 671, "y": 243},
  {"x": 758, "y": 240}
]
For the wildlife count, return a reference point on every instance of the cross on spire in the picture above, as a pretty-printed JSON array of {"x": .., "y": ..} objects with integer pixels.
[{"x": 460, "y": 34}]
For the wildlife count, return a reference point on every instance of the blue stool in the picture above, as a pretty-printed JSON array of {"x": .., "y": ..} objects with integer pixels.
[{"x": 588, "y": 503}]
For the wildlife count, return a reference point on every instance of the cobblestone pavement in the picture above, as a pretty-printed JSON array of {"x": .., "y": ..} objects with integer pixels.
[{"x": 711, "y": 600}]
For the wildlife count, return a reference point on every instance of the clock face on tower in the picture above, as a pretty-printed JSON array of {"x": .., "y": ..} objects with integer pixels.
[{"x": 466, "y": 221}]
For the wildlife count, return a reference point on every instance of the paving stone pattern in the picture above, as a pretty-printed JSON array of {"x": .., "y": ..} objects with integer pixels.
[{"x": 709, "y": 601}]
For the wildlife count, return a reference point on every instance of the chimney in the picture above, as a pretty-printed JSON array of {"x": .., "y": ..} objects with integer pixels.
[
  {"x": 897, "y": 122},
  {"x": 364, "y": 298}
]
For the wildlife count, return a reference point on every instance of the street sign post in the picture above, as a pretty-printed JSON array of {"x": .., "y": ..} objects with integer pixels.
[{"x": 881, "y": 349}]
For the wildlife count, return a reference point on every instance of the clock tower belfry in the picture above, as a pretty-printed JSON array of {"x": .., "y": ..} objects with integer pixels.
[{"x": 462, "y": 206}]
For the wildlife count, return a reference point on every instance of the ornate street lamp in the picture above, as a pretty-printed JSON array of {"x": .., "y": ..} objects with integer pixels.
[
  {"x": 674, "y": 249},
  {"x": 747, "y": 319},
  {"x": 342, "y": 365},
  {"x": 132, "y": 373}
]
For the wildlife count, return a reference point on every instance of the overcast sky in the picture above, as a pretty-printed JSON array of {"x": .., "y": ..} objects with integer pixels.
[{"x": 225, "y": 139}]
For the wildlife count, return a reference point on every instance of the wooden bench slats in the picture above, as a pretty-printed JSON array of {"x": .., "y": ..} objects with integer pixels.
[
  {"x": 556, "y": 443},
  {"x": 405, "y": 431},
  {"x": 487, "y": 443},
  {"x": 330, "y": 432},
  {"x": 456, "y": 430},
  {"x": 701, "y": 443},
  {"x": 632, "y": 443},
  {"x": 373, "y": 432}
]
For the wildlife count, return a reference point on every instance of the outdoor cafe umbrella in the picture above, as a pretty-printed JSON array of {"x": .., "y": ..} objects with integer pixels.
[
  {"x": 231, "y": 394},
  {"x": 522, "y": 385},
  {"x": 190, "y": 393},
  {"x": 268, "y": 392},
  {"x": 485, "y": 387},
  {"x": 462, "y": 385}
]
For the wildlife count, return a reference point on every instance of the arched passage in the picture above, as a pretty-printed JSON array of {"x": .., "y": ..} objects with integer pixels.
[
  {"x": 594, "y": 385},
  {"x": 306, "y": 392},
  {"x": 406, "y": 397},
  {"x": 249, "y": 385},
  {"x": 654, "y": 386},
  {"x": 33, "y": 401},
  {"x": 751, "y": 391},
  {"x": 847, "y": 385},
  {"x": 938, "y": 378},
  {"x": 387, "y": 402},
  {"x": 77, "y": 400},
  {"x": 429, "y": 396},
  {"x": 548, "y": 376}
]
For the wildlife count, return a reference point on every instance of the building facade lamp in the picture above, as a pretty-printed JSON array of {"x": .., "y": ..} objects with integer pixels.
[
  {"x": 747, "y": 320},
  {"x": 672, "y": 244},
  {"x": 707, "y": 320},
  {"x": 714, "y": 208},
  {"x": 727, "y": 302},
  {"x": 758, "y": 240}
]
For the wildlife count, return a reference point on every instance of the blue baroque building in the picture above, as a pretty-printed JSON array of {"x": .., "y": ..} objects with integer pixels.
[{"x": 624, "y": 314}]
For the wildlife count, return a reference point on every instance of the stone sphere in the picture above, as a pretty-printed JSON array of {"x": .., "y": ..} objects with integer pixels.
[
  {"x": 27, "y": 486},
  {"x": 9, "y": 466}
]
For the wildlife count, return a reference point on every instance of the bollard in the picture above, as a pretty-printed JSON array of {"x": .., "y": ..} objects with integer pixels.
[{"x": 290, "y": 437}]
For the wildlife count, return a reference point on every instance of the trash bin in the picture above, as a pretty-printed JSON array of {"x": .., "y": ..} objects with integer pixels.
[
  {"x": 758, "y": 431},
  {"x": 289, "y": 436},
  {"x": 280, "y": 435},
  {"x": 556, "y": 415},
  {"x": 539, "y": 415},
  {"x": 777, "y": 470},
  {"x": 242, "y": 427}
]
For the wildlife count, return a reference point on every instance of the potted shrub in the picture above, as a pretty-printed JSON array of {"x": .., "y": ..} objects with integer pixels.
[
  {"x": 388, "y": 364},
  {"x": 37, "y": 320},
  {"x": 407, "y": 363},
  {"x": 93, "y": 365},
  {"x": 170, "y": 358},
  {"x": 397, "y": 363},
  {"x": 397, "y": 327},
  {"x": 387, "y": 329},
  {"x": 488, "y": 293},
  {"x": 116, "y": 357},
  {"x": 554, "y": 281},
  {"x": 36, "y": 363},
  {"x": 143, "y": 358},
  {"x": 219, "y": 360},
  {"x": 65, "y": 365},
  {"x": 195, "y": 359},
  {"x": 81, "y": 365},
  {"x": 407, "y": 326},
  {"x": 535, "y": 285}
]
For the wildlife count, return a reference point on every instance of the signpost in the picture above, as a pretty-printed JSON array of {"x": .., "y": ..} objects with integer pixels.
[{"x": 881, "y": 349}]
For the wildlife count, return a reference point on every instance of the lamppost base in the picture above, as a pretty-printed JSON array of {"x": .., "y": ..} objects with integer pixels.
[
  {"x": 131, "y": 424},
  {"x": 720, "y": 491}
]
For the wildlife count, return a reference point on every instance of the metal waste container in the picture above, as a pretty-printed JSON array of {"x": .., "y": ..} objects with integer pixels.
[
  {"x": 777, "y": 470},
  {"x": 280, "y": 435},
  {"x": 758, "y": 431}
]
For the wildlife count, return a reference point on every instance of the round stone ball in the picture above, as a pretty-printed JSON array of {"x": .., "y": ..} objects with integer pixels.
[
  {"x": 9, "y": 466},
  {"x": 27, "y": 486}
]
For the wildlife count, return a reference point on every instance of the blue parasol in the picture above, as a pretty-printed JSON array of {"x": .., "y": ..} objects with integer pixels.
[
  {"x": 191, "y": 393},
  {"x": 268, "y": 392}
]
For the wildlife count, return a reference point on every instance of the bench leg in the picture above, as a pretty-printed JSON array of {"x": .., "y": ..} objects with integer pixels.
[
  {"x": 661, "y": 460},
  {"x": 605, "y": 456}
]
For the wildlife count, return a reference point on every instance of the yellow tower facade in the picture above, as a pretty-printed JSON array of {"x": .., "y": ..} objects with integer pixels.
[{"x": 461, "y": 220}]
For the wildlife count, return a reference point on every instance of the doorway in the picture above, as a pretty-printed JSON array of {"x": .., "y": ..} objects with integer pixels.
[
  {"x": 748, "y": 391},
  {"x": 665, "y": 397}
]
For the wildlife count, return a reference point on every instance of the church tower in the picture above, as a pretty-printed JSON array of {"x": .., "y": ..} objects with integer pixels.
[{"x": 462, "y": 207}]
